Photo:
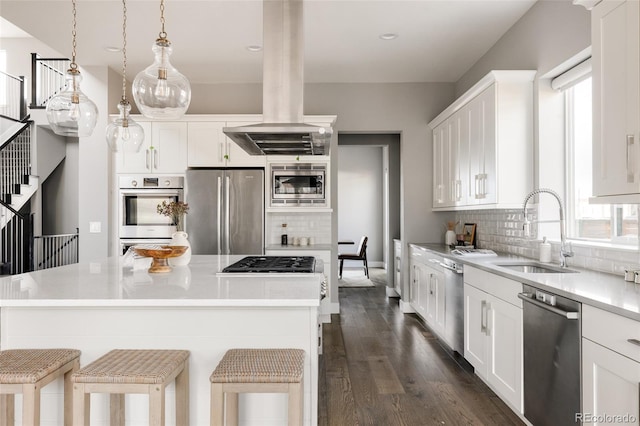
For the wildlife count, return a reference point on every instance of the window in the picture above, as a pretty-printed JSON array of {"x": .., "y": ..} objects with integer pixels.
[{"x": 616, "y": 224}]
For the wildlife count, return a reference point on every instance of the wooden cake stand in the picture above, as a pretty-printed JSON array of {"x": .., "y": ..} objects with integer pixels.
[{"x": 160, "y": 256}]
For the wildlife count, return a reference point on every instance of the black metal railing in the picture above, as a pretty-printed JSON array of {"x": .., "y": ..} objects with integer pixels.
[
  {"x": 47, "y": 79},
  {"x": 50, "y": 251},
  {"x": 13, "y": 97},
  {"x": 16, "y": 242},
  {"x": 15, "y": 162}
]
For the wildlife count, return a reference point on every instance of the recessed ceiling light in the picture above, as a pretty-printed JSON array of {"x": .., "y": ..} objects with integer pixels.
[
  {"x": 112, "y": 49},
  {"x": 388, "y": 36},
  {"x": 254, "y": 48}
]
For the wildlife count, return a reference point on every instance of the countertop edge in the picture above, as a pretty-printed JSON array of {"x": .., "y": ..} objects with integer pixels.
[{"x": 484, "y": 264}]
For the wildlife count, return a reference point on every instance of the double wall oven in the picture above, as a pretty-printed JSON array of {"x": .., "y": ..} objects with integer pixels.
[{"x": 138, "y": 219}]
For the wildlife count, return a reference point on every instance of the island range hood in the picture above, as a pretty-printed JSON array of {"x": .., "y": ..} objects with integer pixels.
[{"x": 282, "y": 131}]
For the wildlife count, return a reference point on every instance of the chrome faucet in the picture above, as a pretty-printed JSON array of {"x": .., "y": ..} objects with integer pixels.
[{"x": 565, "y": 247}]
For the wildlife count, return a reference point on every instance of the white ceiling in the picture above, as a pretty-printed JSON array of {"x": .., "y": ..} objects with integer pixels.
[{"x": 438, "y": 40}]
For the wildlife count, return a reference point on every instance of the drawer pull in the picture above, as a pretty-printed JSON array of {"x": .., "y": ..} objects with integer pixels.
[{"x": 634, "y": 341}]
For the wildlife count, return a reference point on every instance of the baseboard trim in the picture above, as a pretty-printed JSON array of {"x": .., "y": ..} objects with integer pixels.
[
  {"x": 406, "y": 307},
  {"x": 391, "y": 292}
]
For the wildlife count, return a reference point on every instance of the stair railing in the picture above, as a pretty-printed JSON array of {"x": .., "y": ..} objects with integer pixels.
[
  {"x": 16, "y": 244},
  {"x": 13, "y": 97},
  {"x": 47, "y": 79},
  {"x": 55, "y": 250},
  {"x": 15, "y": 162}
]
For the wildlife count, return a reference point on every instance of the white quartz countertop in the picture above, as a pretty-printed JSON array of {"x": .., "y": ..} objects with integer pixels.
[
  {"x": 605, "y": 291},
  {"x": 109, "y": 282}
]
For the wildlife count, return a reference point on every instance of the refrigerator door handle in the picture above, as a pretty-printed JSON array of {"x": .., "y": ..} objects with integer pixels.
[
  {"x": 227, "y": 236},
  {"x": 219, "y": 215}
]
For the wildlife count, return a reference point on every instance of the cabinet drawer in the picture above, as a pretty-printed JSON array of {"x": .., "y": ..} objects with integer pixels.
[
  {"x": 612, "y": 331},
  {"x": 501, "y": 287},
  {"x": 425, "y": 257}
]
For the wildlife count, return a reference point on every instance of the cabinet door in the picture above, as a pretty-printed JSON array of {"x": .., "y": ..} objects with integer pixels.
[
  {"x": 459, "y": 156},
  {"x": 440, "y": 166},
  {"x": 616, "y": 97},
  {"x": 475, "y": 321},
  {"x": 238, "y": 157},
  {"x": 610, "y": 384},
  {"x": 482, "y": 145},
  {"x": 206, "y": 144},
  {"x": 170, "y": 147},
  {"x": 504, "y": 331},
  {"x": 140, "y": 162}
]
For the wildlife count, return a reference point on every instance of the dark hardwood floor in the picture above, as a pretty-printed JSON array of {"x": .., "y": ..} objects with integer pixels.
[{"x": 383, "y": 367}]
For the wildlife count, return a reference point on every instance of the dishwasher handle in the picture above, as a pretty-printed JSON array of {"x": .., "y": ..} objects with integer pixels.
[
  {"x": 451, "y": 268},
  {"x": 567, "y": 314}
]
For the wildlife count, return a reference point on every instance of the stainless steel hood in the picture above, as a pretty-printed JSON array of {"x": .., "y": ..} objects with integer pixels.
[{"x": 282, "y": 131}]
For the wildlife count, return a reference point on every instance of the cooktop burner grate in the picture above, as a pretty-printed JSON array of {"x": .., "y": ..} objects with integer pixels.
[{"x": 286, "y": 264}]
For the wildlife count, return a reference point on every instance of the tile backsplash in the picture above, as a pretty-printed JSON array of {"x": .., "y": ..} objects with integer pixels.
[
  {"x": 501, "y": 230},
  {"x": 314, "y": 225}
]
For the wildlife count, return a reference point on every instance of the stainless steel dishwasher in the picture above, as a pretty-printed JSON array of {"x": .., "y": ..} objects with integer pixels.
[
  {"x": 551, "y": 334},
  {"x": 454, "y": 301}
]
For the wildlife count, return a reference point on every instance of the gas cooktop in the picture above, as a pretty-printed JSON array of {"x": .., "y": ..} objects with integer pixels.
[{"x": 286, "y": 264}]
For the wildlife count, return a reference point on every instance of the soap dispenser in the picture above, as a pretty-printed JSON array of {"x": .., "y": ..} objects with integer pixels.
[{"x": 545, "y": 251}]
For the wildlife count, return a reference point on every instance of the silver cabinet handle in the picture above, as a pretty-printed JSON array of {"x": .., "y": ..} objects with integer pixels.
[
  {"x": 219, "y": 215},
  {"x": 567, "y": 314},
  {"x": 147, "y": 160},
  {"x": 634, "y": 341},
  {"x": 483, "y": 316},
  {"x": 477, "y": 187},
  {"x": 487, "y": 327},
  {"x": 458, "y": 190},
  {"x": 220, "y": 151},
  {"x": 630, "y": 163},
  {"x": 156, "y": 161},
  {"x": 228, "y": 213}
]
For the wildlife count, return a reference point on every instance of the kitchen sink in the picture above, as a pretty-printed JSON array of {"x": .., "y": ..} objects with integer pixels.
[{"x": 534, "y": 268}]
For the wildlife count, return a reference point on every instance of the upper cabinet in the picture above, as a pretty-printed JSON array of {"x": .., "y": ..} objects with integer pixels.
[
  {"x": 483, "y": 145},
  {"x": 164, "y": 150},
  {"x": 210, "y": 147},
  {"x": 615, "y": 27}
]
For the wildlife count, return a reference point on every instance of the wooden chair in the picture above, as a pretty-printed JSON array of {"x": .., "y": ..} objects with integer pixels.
[
  {"x": 26, "y": 371},
  {"x": 142, "y": 371},
  {"x": 257, "y": 370},
  {"x": 361, "y": 254}
]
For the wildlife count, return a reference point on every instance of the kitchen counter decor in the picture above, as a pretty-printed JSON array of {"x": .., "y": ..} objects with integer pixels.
[
  {"x": 160, "y": 256},
  {"x": 176, "y": 211}
]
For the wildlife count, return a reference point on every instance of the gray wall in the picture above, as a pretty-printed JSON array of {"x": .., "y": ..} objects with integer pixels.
[
  {"x": 360, "y": 197},
  {"x": 547, "y": 35}
]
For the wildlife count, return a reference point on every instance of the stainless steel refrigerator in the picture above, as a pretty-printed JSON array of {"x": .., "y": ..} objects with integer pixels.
[{"x": 226, "y": 211}]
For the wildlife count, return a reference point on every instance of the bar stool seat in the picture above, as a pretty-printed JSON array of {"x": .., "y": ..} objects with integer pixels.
[
  {"x": 122, "y": 371},
  {"x": 259, "y": 371},
  {"x": 27, "y": 371}
]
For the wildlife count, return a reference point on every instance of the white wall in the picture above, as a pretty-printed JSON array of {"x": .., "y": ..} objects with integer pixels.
[{"x": 360, "y": 197}]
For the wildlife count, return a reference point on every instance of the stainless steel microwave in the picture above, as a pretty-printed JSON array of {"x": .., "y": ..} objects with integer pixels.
[{"x": 300, "y": 184}]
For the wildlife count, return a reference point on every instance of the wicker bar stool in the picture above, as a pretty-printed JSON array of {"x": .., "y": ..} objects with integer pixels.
[
  {"x": 26, "y": 371},
  {"x": 260, "y": 371},
  {"x": 123, "y": 371}
]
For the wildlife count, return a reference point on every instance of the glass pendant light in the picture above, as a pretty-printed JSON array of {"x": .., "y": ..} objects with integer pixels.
[
  {"x": 160, "y": 91},
  {"x": 124, "y": 134},
  {"x": 71, "y": 112}
]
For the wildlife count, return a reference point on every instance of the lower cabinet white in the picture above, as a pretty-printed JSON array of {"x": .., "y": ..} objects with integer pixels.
[
  {"x": 493, "y": 332},
  {"x": 427, "y": 290},
  {"x": 610, "y": 368}
]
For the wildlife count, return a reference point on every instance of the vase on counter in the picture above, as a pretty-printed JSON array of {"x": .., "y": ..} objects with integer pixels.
[{"x": 180, "y": 238}]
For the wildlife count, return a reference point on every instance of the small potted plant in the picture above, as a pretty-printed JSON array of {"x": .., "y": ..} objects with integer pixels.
[{"x": 176, "y": 211}]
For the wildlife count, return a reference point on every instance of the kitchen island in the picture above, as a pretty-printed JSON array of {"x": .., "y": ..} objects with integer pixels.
[{"x": 99, "y": 306}]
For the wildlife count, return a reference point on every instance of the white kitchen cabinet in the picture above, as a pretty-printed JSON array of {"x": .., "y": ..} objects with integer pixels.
[
  {"x": 483, "y": 144},
  {"x": 427, "y": 292},
  {"x": 210, "y": 147},
  {"x": 615, "y": 31},
  {"x": 164, "y": 150},
  {"x": 397, "y": 264},
  {"x": 610, "y": 366},
  {"x": 493, "y": 332}
]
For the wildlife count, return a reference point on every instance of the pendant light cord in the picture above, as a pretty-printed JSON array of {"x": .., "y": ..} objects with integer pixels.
[
  {"x": 124, "y": 51},
  {"x": 73, "y": 66},
  {"x": 163, "y": 34}
]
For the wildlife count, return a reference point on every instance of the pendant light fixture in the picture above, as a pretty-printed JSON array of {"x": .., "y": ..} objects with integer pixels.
[
  {"x": 124, "y": 134},
  {"x": 71, "y": 112},
  {"x": 160, "y": 91}
]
